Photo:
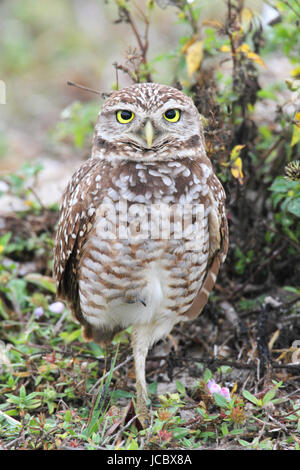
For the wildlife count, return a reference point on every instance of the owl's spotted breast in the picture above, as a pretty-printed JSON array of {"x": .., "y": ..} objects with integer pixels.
[{"x": 133, "y": 269}]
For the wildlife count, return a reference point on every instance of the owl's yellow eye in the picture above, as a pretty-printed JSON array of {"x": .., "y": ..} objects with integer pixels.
[
  {"x": 172, "y": 115},
  {"x": 124, "y": 116}
]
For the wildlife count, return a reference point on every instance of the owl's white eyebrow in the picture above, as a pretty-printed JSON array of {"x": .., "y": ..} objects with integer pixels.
[
  {"x": 109, "y": 111},
  {"x": 165, "y": 108}
]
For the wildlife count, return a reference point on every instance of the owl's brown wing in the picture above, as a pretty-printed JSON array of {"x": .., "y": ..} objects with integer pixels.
[
  {"x": 218, "y": 244},
  {"x": 77, "y": 215}
]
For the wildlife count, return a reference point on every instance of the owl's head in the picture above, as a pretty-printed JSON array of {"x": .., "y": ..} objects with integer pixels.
[{"x": 148, "y": 122}]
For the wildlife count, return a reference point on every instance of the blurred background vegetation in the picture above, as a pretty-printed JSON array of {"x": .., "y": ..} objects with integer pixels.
[{"x": 43, "y": 46}]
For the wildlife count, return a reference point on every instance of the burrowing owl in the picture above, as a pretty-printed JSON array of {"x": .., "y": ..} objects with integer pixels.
[{"x": 142, "y": 228}]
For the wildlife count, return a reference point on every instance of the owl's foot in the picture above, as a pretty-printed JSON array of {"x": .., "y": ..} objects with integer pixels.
[
  {"x": 144, "y": 416},
  {"x": 141, "y": 408}
]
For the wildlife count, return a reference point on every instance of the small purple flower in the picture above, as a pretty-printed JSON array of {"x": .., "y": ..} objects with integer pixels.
[
  {"x": 213, "y": 387},
  {"x": 225, "y": 392},
  {"x": 38, "y": 312},
  {"x": 56, "y": 307}
]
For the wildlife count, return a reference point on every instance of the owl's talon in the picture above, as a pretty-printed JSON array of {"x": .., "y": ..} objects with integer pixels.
[{"x": 144, "y": 419}]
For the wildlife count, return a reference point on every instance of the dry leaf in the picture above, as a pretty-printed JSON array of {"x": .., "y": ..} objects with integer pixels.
[
  {"x": 273, "y": 339},
  {"x": 188, "y": 44},
  {"x": 296, "y": 72},
  {"x": 225, "y": 48},
  {"x": 213, "y": 23},
  {"x": 194, "y": 57},
  {"x": 297, "y": 119},
  {"x": 236, "y": 170},
  {"x": 256, "y": 58},
  {"x": 245, "y": 49},
  {"x": 246, "y": 17},
  {"x": 22, "y": 374},
  {"x": 45, "y": 367},
  {"x": 234, "y": 389},
  {"x": 296, "y": 130},
  {"x": 237, "y": 164}
]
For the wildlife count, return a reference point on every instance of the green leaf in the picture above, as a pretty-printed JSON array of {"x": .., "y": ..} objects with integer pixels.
[
  {"x": 224, "y": 369},
  {"x": 133, "y": 445},
  {"x": 178, "y": 433},
  {"x": 207, "y": 375},
  {"x": 3, "y": 311},
  {"x": 96, "y": 349},
  {"x": 294, "y": 290},
  {"x": 294, "y": 207},
  {"x": 11, "y": 421},
  {"x": 244, "y": 443},
  {"x": 267, "y": 94},
  {"x": 180, "y": 387},
  {"x": 116, "y": 394},
  {"x": 237, "y": 431},
  {"x": 22, "y": 392},
  {"x": 220, "y": 400},
  {"x": 250, "y": 397},
  {"x": 152, "y": 388},
  {"x": 276, "y": 198},
  {"x": 39, "y": 280},
  {"x": 280, "y": 185},
  {"x": 17, "y": 292},
  {"x": 68, "y": 416},
  {"x": 224, "y": 429},
  {"x": 4, "y": 240},
  {"x": 69, "y": 337},
  {"x": 269, "y": 396}
]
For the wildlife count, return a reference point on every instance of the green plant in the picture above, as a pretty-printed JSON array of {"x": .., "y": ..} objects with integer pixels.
[
  {"x": 77, "y": 124},
  {"x": 286, "y": 201},
  {"x": 24, "y": 401}
]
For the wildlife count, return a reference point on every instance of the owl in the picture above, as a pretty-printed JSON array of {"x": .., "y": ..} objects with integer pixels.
[{"x": 142, "y": 229}]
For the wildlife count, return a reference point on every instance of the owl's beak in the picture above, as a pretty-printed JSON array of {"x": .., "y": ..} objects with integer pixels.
[{"x": 148, "y": 133}]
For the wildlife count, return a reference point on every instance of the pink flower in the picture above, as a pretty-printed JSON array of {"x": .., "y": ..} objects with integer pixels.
[
  {"x": 213, "y": 387},
  {"x": 38, "y": 312},
  {"x": 225, "y": 392},
  {"x": 56, "y": 307}
]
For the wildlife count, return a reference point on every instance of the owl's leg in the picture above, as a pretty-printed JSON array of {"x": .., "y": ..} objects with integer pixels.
[{"x": 140, "y": 342}]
